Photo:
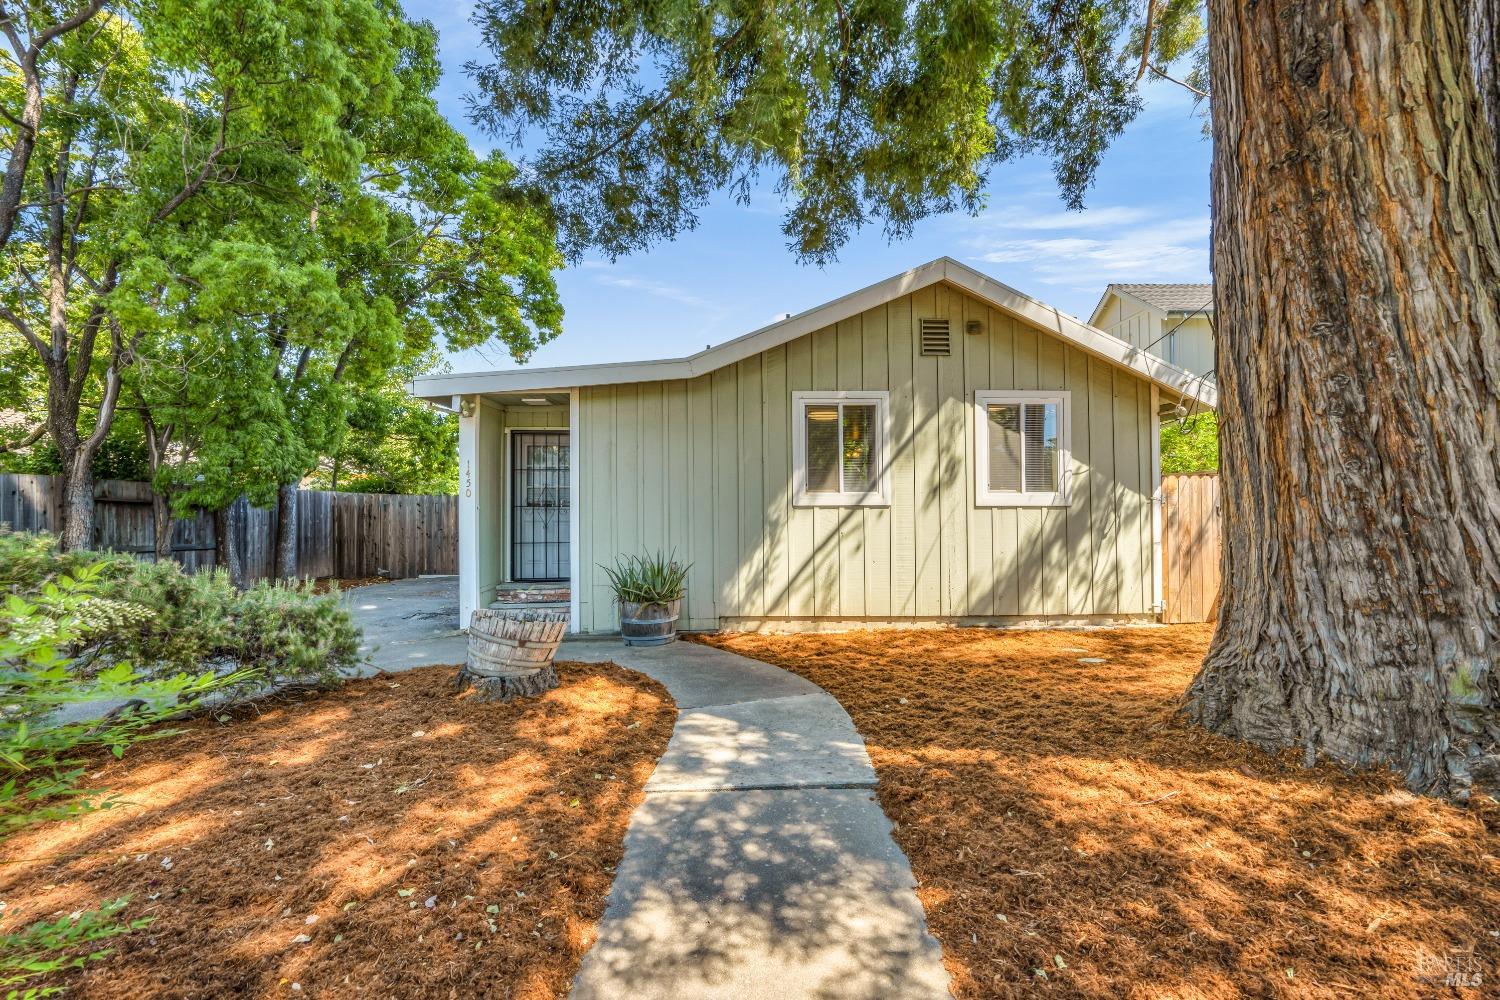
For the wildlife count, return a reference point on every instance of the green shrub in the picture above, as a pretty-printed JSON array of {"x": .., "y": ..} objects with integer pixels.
[
  {"x": 166, "y": 621},
  {"x": 649, "y": 579}
]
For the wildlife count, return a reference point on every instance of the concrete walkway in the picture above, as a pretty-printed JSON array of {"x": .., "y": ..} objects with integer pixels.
[
  {"x": 408, "y": 623},
  {"x": 760, "y": 864}
]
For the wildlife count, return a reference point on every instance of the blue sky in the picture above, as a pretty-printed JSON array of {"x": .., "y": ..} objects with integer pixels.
[{"x": 1147, "y": 220}]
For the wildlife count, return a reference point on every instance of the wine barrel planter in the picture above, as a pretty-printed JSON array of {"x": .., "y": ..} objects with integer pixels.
[
  {"x": 649, "y": 624},
  {"x": 510, "y": 653}
]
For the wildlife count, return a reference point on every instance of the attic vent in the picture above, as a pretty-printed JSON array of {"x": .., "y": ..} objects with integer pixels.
[{"x": 936, "y": 339}]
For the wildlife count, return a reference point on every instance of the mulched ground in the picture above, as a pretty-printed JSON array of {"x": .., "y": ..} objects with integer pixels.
[
  {"x": 423, "y": 844},
  {"x": 1073, "y": 837}
]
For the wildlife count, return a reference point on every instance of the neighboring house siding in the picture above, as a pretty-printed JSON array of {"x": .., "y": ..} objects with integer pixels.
[
  {"x": 703, "y": 467},
  {"x": 1193, "y": 347},
  {"x": 1137, "y": 325},
  {"x": 1186, "y": 341}
]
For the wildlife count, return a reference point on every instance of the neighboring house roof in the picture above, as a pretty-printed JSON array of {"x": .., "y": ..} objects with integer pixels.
[
  {"x": 442, "y": 388},
  {"x": 1167, "y": 298}
]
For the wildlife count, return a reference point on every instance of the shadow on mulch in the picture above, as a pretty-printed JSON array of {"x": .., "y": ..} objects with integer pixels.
[
  {"x": 1072, "y": 836},
  {"x": 426, "y": 844}
]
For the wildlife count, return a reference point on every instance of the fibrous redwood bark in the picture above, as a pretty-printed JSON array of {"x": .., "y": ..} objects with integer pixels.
[{"x": 1357, "y": 273}]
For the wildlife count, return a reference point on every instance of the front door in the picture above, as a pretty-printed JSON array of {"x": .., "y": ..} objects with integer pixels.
[{"x": 539, "y": 506}]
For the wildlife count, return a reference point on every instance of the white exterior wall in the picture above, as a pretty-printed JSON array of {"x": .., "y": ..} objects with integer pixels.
[{"x": 703, "y": 466}]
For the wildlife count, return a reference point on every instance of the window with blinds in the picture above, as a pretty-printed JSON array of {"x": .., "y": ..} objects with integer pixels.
[
  {"x": 1021, "y": 448},
  {"x": 839, "y": 448}
]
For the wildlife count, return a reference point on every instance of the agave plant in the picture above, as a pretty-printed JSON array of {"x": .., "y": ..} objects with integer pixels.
[{"x": 648, "y": 579}]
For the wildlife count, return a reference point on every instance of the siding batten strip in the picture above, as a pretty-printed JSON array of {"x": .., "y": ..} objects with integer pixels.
[{"x": 575, "y": 495}]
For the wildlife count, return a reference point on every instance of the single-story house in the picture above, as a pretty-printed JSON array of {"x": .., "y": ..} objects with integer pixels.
[
  {"x": 937, "y": 447},
  {"x": 1173, "y": 322}
]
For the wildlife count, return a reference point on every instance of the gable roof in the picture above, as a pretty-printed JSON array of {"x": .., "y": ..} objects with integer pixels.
[
  {"x": 1179, "y": 383},
  {"x": 1167, "y": 298}
]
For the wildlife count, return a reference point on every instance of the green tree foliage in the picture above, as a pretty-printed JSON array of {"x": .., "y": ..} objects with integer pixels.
[
  {"x": 1191, "y": 444},
  {"x": 870, "y": 111},
  {"x": 259, "y": 203},
  {"x": 393, "y": 443},
  {"x": 320, "y": 318}
]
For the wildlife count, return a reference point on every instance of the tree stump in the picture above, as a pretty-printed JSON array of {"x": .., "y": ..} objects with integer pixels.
[{"x": 510, "y": 653}]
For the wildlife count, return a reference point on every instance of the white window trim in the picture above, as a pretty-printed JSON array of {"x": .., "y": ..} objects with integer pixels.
[
  {"x": 986, "y": 497},
  {"x": 878, "y": 497}
]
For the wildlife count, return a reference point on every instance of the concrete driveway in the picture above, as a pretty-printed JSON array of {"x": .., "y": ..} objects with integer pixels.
[{"x": 408, "y": 623}]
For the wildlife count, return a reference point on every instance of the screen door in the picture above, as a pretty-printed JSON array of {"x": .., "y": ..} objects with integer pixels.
[{"x": 539, "y": 506}]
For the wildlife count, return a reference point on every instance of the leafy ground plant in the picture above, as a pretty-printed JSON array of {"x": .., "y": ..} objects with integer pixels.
[{"x": 42, "y": 759}]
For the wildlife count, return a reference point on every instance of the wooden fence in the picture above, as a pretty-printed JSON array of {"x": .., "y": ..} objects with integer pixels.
[
  {"x": 1190, "y": 547},
  {"x": 344, "y": 535}
]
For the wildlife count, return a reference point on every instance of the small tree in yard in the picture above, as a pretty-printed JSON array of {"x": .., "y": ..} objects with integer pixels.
[
  {"x": 1356, "y": 247},
  {"x": 259, "y": 194},
  {"x": 319, "y": 310}
]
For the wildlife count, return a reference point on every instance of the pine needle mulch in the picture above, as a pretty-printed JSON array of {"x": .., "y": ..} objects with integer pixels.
[
  {"x": 1073, "y": 837},
  {"x": 387, "y": 839}
]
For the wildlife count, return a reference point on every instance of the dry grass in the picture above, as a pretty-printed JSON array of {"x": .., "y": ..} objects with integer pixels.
[
  {"x": 428, "y": 845},
  {"x": 1073, "y": 837}
]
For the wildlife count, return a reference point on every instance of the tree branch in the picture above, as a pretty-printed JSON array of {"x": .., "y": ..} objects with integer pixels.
[
  {"x": 651, "y": 110},
  {"x": 30, "y": 439},
  {"x": 1180, "y": 83},
  {"x": 192, "y": 186},
  {"x": 31, "y": 110},
  {"x": 26, "y": 332},
  {"x": 1146, "y": 41},
  {"x": 62, "y": 27}
]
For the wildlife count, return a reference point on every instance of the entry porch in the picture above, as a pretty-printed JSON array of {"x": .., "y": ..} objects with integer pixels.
[{"x": 517, "y": 481}]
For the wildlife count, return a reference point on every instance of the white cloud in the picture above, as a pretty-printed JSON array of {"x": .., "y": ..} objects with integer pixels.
[
  {"x": 658, "y": 289},
  {"x": 1117, "y": 244},
  {"x": 1110, "y": 215}
]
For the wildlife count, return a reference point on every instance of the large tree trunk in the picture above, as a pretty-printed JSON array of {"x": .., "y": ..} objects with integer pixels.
[
  {"x": 1356, "y": 271},
  {"x": 227, "y": 524},
  {"x": 286, "y": 531}
]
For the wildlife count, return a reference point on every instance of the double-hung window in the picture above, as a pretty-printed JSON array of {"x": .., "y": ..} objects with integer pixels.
[
  {"x": 839, "y": 454},
  {"x": 1021, "y": 448}
]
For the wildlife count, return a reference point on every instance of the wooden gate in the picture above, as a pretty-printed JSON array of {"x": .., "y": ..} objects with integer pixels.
[{"x": 1190, "y": 546}]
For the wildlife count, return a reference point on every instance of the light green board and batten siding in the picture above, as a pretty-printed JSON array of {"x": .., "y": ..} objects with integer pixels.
[{"x": 703, "y": 466}]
